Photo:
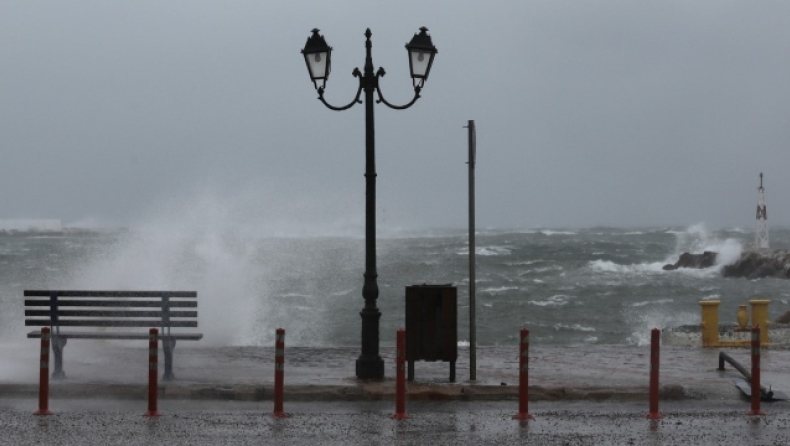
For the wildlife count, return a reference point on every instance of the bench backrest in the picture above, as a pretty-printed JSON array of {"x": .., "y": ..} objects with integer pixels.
[{"x": 70, "y": 308}]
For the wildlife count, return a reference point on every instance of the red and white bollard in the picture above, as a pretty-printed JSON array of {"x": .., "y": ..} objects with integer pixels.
[
  {"x": 523, "y": 378},
  {"x": 655, "y": 343},
  {"x": 153, "y": 369},
  {"x": 400, "y": 377},
  {"x": 279, "y": 374},
  {"x": 756, "y": 373},
  {"x": 43, "y": 377}
]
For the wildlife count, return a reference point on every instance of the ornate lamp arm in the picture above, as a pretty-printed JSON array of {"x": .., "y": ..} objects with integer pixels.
[
  {"x": 381, "y": 73},
  {"x": 356, "y": 100}
]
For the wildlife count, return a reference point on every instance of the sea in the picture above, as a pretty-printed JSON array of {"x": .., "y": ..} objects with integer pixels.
[{"x": 570, "y": 287}]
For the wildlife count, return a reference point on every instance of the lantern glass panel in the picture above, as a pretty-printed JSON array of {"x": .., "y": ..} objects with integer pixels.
[
  {"x": 420, "y": 62},
  {"x": 317, "y": 63}
]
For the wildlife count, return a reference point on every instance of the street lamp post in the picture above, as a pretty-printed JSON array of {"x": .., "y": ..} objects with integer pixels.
[{"x": 317, "y": 55}]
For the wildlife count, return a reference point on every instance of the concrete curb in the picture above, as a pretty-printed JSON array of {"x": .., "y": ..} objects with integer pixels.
[{"x": 359, "y": 392}]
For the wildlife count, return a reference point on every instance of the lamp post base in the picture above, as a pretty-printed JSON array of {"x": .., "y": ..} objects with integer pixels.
[{"x": 371, "y": 367}]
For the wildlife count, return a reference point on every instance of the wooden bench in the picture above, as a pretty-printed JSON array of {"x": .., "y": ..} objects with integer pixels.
[{"x": 110, "y": 310}]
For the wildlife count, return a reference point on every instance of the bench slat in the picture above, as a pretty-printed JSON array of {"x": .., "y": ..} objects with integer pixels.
[
  {"x": 104, "y": 313},
  {"x": 108, "y": 323},
  {"x": 109, "y": 303},
  {"x": 96, "y": 293},
  {"x": 93, "y": 335}
]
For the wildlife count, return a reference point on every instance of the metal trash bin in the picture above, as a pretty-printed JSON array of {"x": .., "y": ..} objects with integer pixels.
[{"x": 431, "y": 325}]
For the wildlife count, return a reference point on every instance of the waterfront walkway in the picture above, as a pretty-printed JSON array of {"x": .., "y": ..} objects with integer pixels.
[{"x": 120, "y": 369}]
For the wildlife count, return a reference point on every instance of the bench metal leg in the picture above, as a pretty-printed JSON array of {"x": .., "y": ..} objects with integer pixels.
[
  {"x": 410, "y": 372},
  {"x": 452, "y": 371},
  {"x": 57, "y": 347},
  {"x": 168, "y": 344}
]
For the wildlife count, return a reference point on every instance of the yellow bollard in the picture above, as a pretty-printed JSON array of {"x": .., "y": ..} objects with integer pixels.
[
  {"x": 710, "y": 322},
  {"x": 742, "y": 316},
  {"x": 760, "y": 318}
]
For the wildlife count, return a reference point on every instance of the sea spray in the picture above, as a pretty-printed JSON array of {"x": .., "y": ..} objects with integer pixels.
[
  {"x": 643, "y": 321},
  {"x": 214, "y": 263},
  {"x": 233, "y": 255},
  {"x": 693, "y": 239},
  {"x": 728, "y": 251}
]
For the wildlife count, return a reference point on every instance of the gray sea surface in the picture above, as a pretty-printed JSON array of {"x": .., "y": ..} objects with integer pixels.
[{"x": 568, "y": 286}]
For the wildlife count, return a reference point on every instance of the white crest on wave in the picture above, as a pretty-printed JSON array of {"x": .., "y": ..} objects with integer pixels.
[
  {"x": 557, "y": 300},
  {"x": 573, "y": 327},
  {"x": 652, "y": 302},
  {"x": 500, "y": 289},
  {"x": 552, "y": 232},
  {"x": 486, "y": 251}
]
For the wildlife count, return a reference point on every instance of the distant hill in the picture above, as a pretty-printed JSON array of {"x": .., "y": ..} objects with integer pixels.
[{"x": 31, "y": 225}]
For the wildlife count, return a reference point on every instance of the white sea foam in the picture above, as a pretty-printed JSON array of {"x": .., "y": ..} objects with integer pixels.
[
  {"x": 607, "y": 266},
  {"x": 551, "y": 232},
  {"x": 712, "y": 297},
  {"x": 573, "y": 327},
  {"x": 523, "y": 262},
  {"x": 298, "y": 295},
  {"x": 486, "y": 251},
  {"x": 463, "y": 343},
  {"x": 500, "y": 289},
  {"x": 538, "y": 281},
  {"x": 547, "y": 268},
  {"x": 557, "y": 300},
  {"x": 652, "y": 302},
  {"x": 611, "y": 267}
]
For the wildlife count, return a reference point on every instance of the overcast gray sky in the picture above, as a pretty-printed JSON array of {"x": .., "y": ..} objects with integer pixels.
[{"x": 617, "y": 113}]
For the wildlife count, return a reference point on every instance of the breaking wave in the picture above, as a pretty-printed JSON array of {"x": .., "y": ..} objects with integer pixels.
[
  {"x": 486, "y": 251},
  {"x": 557, "y": 300}
]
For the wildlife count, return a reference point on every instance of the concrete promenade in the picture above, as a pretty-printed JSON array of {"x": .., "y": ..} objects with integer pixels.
[{"x": 97, "y": 369}]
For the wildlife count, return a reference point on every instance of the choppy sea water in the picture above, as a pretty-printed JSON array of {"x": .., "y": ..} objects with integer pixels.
[{"x": 569, "y": 287}]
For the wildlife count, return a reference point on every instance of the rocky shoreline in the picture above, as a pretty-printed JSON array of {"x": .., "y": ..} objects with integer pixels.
[{"x": 751, "y": 265}]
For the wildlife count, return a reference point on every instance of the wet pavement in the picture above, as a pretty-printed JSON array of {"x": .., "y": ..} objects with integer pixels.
[
  {"x": 195, "y": 423},
  {"x": 591, "y": 373}
]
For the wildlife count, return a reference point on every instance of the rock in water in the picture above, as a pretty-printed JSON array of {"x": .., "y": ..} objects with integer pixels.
[
  {"x": 695, "y": 261},
  {"x": 752, "y": 264},
  {"x": 783, "y": 319}
]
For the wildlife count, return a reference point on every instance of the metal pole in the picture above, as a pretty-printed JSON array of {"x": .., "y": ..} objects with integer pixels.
[
  {"x": 153, "y": 363},
  {"x": 369, "y": 364},
  {"x": 472, "y": 307},
  {"x": 764, "y": 392},
  {"x": 523, "y": 377},
  {"x": 400, "y": 377},
  {"x": 756, "y": 373},
  {"x": 655, "y": 336},
  {"x": 43, "y": 376},
  {"x": 279, "y": 374}
]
